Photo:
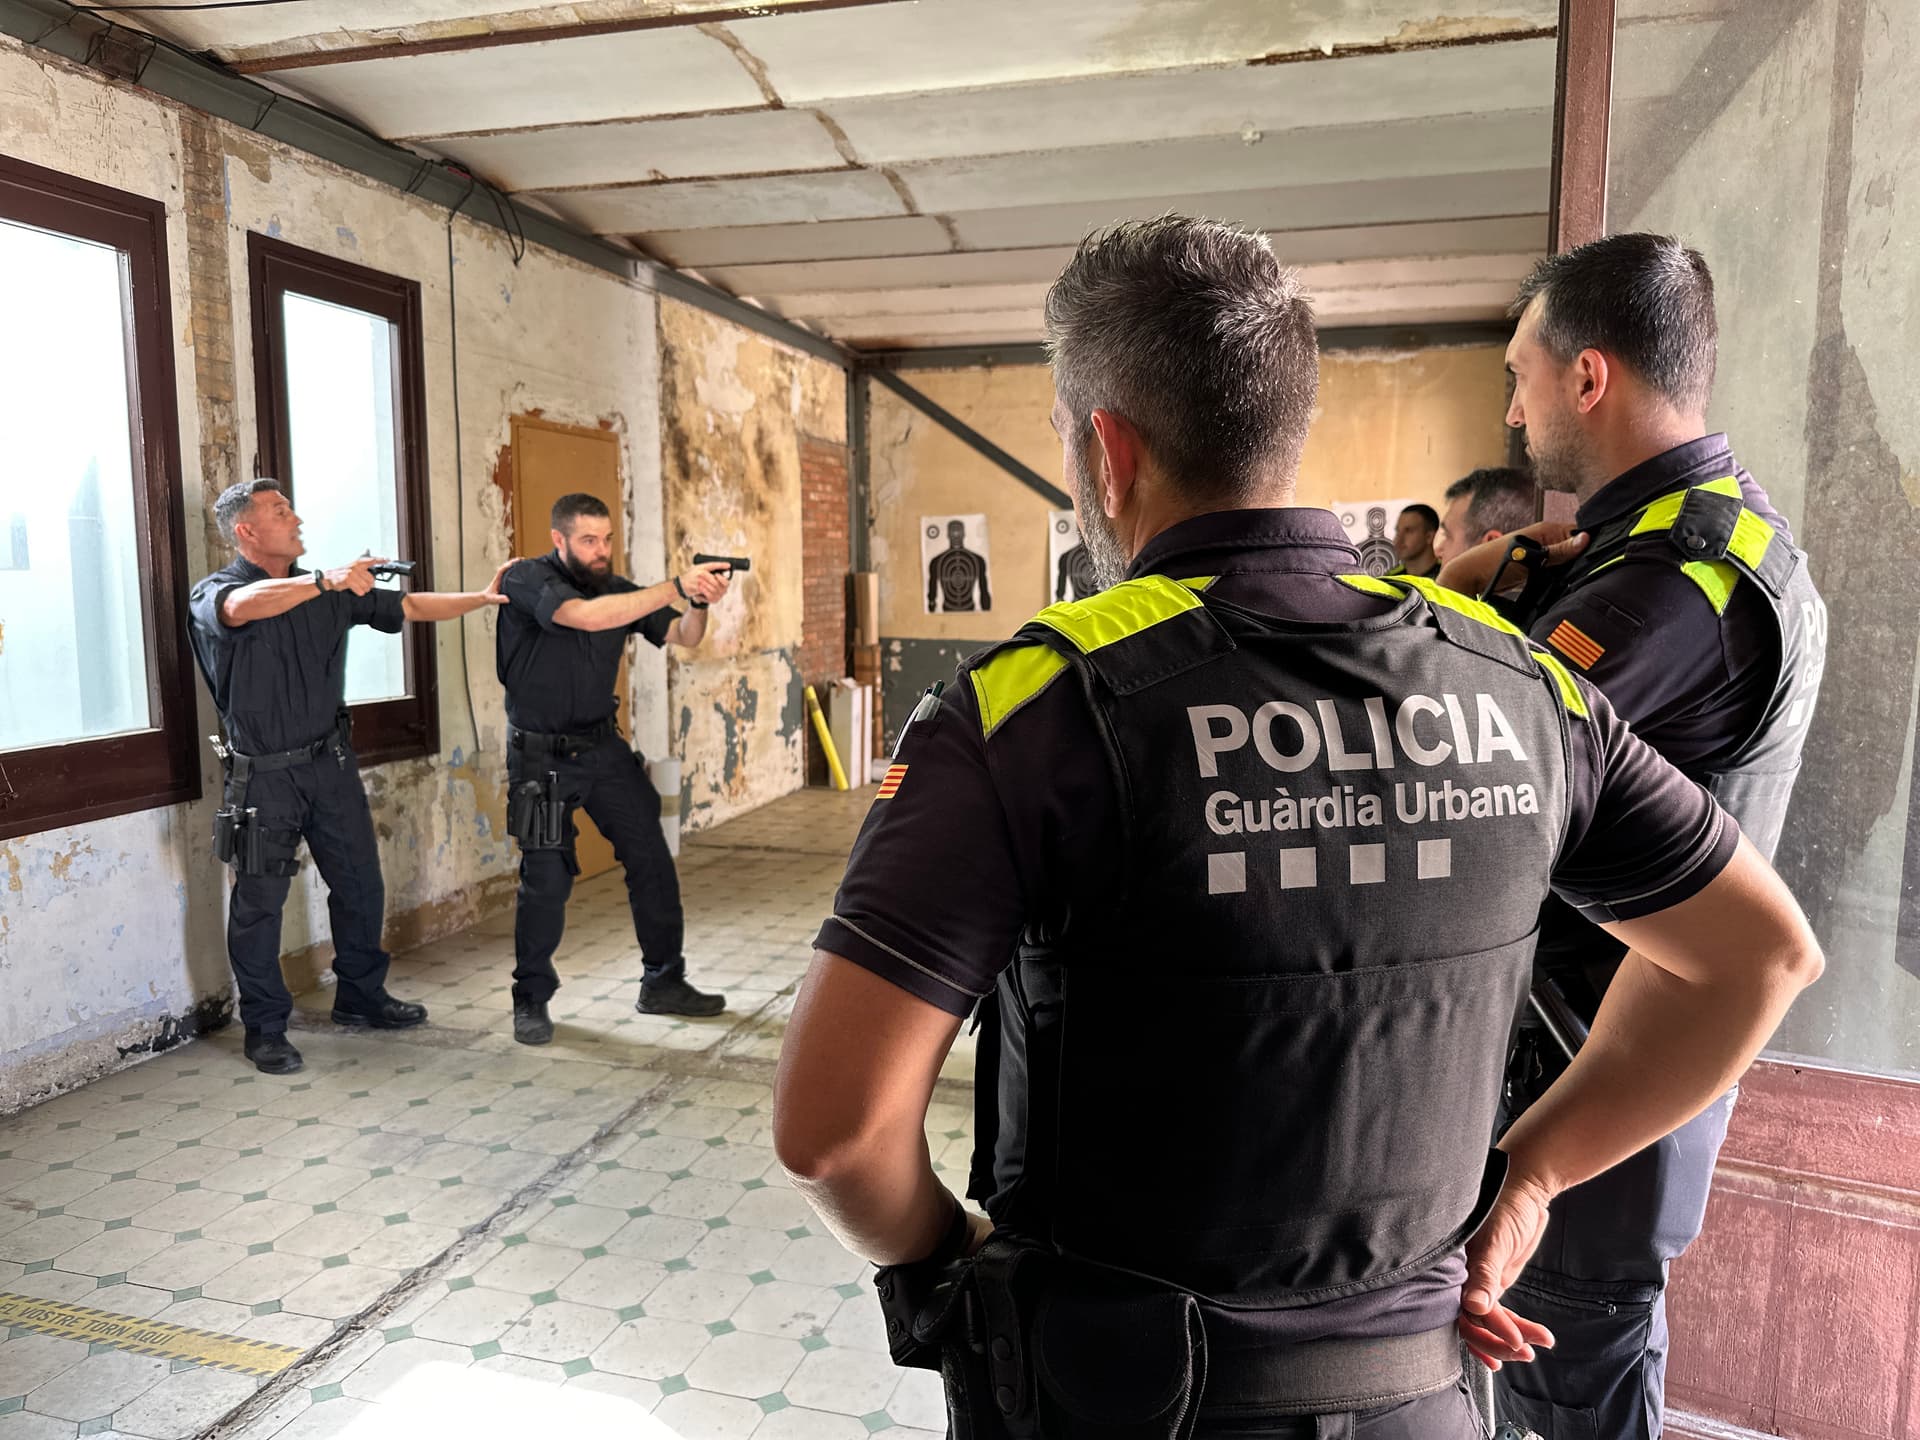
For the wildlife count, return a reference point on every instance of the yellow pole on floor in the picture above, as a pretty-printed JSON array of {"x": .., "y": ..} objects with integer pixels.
[{"x": 826, "y": 740}]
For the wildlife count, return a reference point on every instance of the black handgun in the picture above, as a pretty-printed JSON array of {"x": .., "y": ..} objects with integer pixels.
[
  {"x": 732, "y": 562},
  {"x": 387, "y": 569}
]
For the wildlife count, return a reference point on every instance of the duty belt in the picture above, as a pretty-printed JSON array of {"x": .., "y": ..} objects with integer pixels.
[
  {"x": 534, "y": 742},
  {"x": 242, "y": 766},
  {"x": 1321, "y": 1376}
]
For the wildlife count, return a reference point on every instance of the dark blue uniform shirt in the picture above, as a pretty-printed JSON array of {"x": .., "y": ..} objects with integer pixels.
[
  {"x": 559, "y": 680},
  {"x": 1692, "y": 684},
  {"x": 280, "y": 683},
  {"x": 981, "y": 841}
]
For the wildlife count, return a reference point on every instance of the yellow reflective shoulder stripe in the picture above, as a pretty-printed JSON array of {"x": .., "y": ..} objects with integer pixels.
[
  {"x": 1570, "y": 695},
  {"x": 1438, "y": 594},
  {"x": 1751, "y": 534},
  {"x": 1660, "y": 515},
  {"x": 1751, "y": 537},
  {"x": 1200, "y": 584},
  {"x": 1113, "y": 615},
  {"x": 1372, "y": 585},
  {"x": 1716, "y": 579},
  {"x": 1605, "y": 565},
  {"x": 1012, "y": 678}
]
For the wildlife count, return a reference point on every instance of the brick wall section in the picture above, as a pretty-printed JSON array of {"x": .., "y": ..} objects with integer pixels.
[
  {"x": 824, "y": 560},
  {"x": 204, "y": 180}
]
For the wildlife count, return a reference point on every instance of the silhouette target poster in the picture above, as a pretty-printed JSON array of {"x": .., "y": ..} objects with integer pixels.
[
  {"x": 1069, "y": 568},
  {"x": 954, "y": 562},
  {"x": 1369, "y": 526}
]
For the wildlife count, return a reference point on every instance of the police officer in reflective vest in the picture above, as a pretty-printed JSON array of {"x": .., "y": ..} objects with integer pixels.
[
  {"x": 271, "y": 642},
  {"x": 568, "y": 619},
  {"x": 1683, "y": 599},
  {"x": 1238, "y": 864}
]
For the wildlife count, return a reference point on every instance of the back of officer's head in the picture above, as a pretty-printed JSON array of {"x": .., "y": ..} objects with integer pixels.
[
  {"x": 1200, "y": 337},
  {"x": 233, "y": 503},
  {"x": 1498, "y": 497},
  {"x": 1645, "y": 301}
]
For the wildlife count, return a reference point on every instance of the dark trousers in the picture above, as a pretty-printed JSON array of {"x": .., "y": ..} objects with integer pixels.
[
  {"x": 611, "y": 785},
  {"x": 1444, "y": 1415},
  {"x": 1599, "y": 1281},
  {"x": 320, "y": 800}
]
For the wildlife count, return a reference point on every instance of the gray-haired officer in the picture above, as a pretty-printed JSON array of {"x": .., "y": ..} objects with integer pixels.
[
  {"x": 271, "y": 640},
  {"x": 1241, "y": 860}
]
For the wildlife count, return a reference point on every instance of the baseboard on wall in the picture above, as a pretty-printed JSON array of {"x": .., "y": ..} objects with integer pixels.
[
  {"x": 306, "y": 969},
  {"x": 29, "y": 1078},
  {"x": 1684, "y": 1426}
]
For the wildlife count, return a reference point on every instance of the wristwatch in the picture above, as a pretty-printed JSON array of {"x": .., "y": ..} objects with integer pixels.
[
  {"x": 320, "y": 581},
  {"x": 696, "y": 604}
]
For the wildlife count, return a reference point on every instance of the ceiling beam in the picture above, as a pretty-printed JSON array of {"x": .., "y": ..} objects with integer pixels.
[{"x": 537, "y": 35}]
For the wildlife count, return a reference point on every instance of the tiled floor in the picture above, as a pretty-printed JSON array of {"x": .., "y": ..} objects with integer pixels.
[{"x": 446, "y": 1233}]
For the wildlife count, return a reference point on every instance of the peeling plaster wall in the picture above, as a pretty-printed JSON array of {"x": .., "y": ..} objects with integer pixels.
[
  {"x": 1389, "y": 424},
  {"x": 1404, "y": 424},
  {"x": 734, "y": 408},
  {"x": 87, "y": 982}
]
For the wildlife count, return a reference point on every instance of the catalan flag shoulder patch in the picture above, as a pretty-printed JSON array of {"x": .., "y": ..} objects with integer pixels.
[
  {"x": 1578, "y": 646},
  {"x": 890, "y": 782}
]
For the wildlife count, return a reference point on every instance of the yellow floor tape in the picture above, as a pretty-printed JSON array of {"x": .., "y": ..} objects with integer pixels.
[{"x": 146, "y": 1337}]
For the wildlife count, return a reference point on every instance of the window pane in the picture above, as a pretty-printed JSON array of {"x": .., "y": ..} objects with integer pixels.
[
  {"x": 73, "y": 660},
  {"x": 1777, "y": 138},
  {"x": 345, "y": 466}
]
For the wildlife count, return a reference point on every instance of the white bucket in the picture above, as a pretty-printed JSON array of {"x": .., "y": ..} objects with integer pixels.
[{"x": 665, "y": 775}]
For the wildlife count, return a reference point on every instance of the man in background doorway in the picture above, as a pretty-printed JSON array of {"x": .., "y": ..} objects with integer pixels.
[
  {"x": 1482, "y": 506},
  {"x": 1413, "y": 542}
]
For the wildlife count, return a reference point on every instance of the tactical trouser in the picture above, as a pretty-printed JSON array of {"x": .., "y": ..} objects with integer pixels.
[
  {"x": 1598, "y": 1282},
  {"x": 1033, "y": 1347},
  {"x": 599, "y": 774},
  {"x": 312, "y": 794}
]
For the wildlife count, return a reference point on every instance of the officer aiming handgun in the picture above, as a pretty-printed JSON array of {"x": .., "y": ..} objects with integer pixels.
[
  {"x": 271, "y": 640},
  {"x": 561, "y": 638}
]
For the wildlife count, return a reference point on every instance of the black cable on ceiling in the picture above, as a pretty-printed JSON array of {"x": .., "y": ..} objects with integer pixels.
[{"x": 192, "y": 5}]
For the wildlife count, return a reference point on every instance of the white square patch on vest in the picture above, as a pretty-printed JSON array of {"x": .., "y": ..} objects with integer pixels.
[
  {"x": 1436, "y": 859},
  {"x": 1366, "y": 864},
  {"x": 1227, "y": 874},
  {"x": 1299, "y": 869}
]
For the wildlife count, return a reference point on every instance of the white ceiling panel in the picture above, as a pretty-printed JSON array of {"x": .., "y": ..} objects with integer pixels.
[
  {"x": 941, "y": 44},
  {"x": 829, "y": 306},
  {"x": 889, "y": 331},
  {"x": 1343, "y": 153},
  {"x": 763, "y": 200},
  {"x": 1151, "y": 107},
  {"x": 609, "y": 154},
  {"x": 907, "y": 272},
  {"x": 821, "y": 240},
  {"x": 1300, "y": 207},
  {"x": 559, "y": 82}
]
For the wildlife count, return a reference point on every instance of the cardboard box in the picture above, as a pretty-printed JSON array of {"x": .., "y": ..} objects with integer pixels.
[
  {"x": 866, "y": 607},
  {"x": 850, "y": 721}
]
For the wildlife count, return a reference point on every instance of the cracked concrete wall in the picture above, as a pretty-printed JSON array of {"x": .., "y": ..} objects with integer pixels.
[
  {"x": 112, "y": 933},
  {"x": 734, "y": 409},
  {"x": 1817, "y": 277}
]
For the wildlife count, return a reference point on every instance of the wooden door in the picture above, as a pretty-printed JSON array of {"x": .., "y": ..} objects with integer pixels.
[{"x": 549, "y": 461}]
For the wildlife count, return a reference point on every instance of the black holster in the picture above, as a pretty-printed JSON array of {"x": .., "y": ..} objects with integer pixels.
[
  {"x": 537, "y": 814},
  {"x": 239, "y": 837},
  {"x": 1030, "y": 1345}
]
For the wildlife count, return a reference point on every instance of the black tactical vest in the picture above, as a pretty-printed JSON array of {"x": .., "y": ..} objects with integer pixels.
[
  {"x": 1718, "y": 543},
  {"x": 1247, "y": 1068}
]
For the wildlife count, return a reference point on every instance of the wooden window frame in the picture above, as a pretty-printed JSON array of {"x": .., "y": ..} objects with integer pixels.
[
  {"x": 49, "y": 786},
  {"x": 383, "y": 730}
]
